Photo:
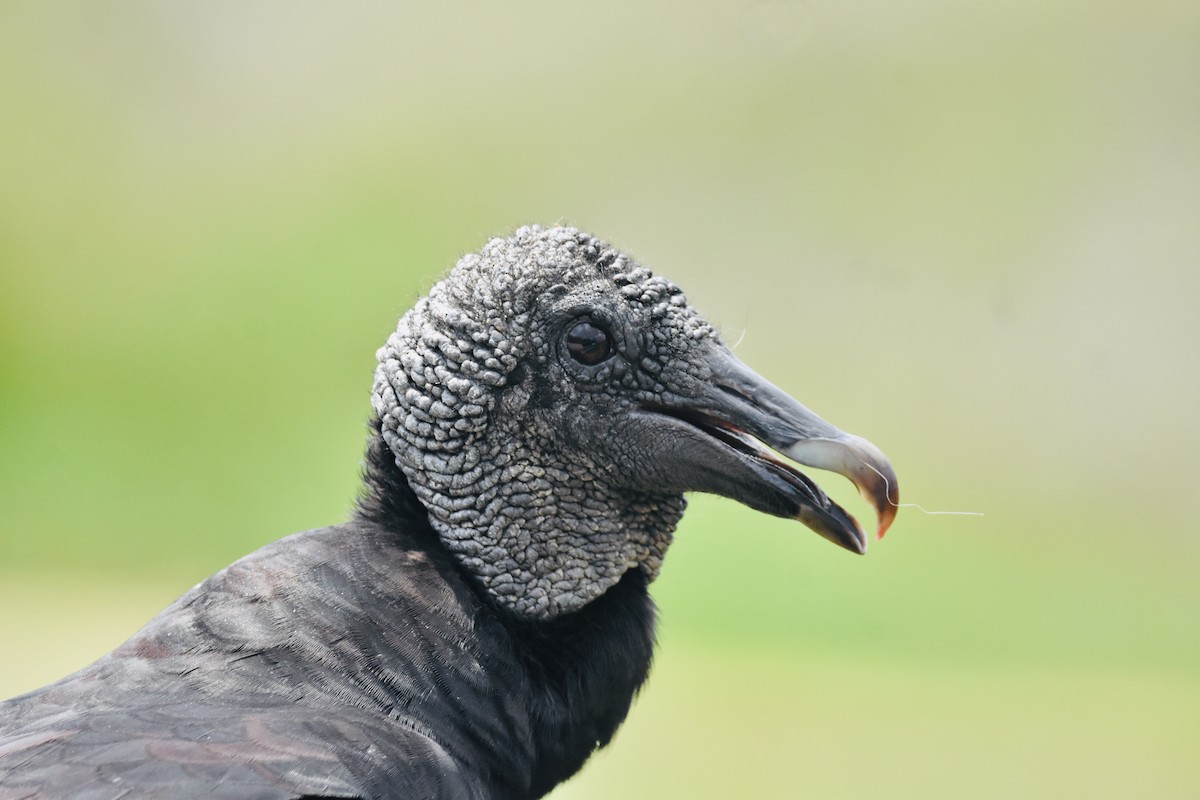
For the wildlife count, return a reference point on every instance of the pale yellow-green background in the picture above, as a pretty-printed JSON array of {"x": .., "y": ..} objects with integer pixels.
[{"x": 967, "y": 231}]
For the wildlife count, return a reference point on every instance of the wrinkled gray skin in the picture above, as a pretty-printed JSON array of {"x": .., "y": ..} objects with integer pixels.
[{"x": 525, "y": 477}]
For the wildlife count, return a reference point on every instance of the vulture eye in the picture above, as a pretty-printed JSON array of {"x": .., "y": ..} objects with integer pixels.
[{"x": 588, "y": 344}]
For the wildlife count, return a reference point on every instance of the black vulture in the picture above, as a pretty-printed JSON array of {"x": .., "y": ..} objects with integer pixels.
[{"x": 482, "y": 622}]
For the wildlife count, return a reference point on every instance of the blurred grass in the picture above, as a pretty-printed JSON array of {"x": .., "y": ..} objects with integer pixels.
[{"x": 965, "y": 232}]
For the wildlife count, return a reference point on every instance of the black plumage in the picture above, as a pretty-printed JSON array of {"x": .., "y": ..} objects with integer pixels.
[
  {"x": 352, "y": 661},
  {"x": 422, "y": 649}
]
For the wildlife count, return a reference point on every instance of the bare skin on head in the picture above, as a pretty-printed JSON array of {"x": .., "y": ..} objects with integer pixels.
[{"x": 550, "y": 477}]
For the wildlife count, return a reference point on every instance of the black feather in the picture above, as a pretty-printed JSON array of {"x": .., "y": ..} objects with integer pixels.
[{"x": 353, "y": 661}]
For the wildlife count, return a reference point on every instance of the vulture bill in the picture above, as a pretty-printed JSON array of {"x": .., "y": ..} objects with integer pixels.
[{"x": 481, "y": 623}]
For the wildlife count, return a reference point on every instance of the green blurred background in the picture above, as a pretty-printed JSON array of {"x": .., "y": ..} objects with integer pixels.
[{"x": 969, "y": 232}]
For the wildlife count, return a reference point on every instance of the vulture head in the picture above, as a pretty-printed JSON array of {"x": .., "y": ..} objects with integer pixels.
[{"x": 550, "y": 402}]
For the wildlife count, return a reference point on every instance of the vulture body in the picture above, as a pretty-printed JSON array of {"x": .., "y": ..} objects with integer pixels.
[{"x": 481, "y": 624}]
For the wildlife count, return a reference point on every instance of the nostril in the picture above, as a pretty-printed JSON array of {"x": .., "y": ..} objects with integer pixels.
[{"x": 733, "y": 391}]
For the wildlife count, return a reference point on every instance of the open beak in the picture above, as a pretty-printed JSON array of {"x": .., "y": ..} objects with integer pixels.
[{"x": 743, "y": 412}]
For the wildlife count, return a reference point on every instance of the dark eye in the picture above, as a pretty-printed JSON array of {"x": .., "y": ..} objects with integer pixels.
[{"x": 588, "y": 344}]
